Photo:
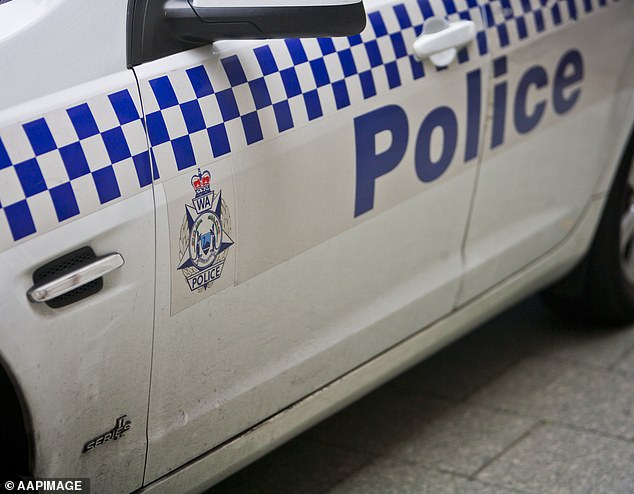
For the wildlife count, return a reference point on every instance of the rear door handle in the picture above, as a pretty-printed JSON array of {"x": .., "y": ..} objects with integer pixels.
[
  {"x": 441, "y": 40},
  {"x": 72, "y": 280}
]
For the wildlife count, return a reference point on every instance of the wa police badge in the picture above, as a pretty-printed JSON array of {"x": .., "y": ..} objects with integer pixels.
[{"x": 205, "y": 235}]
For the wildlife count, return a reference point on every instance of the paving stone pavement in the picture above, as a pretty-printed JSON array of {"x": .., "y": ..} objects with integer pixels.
[{"x": 527, "y": 403}]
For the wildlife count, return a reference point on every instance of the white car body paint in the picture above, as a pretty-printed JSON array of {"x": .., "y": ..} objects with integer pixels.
[
  {"x": 83, "y": 366},
  {"x": 66, "y": 43},
  {"x": 316, "y": 304},
  {"x": 221, "y": 462}
]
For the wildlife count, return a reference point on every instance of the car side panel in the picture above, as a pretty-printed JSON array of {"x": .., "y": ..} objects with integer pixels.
[
  {"x": 74, "y": 172},
  {"x": 310, "y": 277}
]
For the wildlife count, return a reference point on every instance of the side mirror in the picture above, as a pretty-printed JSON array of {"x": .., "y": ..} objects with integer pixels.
[{"x": 157, "y": 29}]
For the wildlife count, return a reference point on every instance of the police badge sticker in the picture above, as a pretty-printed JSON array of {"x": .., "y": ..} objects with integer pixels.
[{"x": 205, "y": 235}]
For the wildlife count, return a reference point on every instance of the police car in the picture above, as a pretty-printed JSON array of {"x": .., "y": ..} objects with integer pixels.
[{"x": 222, "y": 221}]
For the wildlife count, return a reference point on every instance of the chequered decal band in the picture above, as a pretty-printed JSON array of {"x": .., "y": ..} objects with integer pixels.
[
  {"x": 207, "y": 111},
  {"x": 511, "y": 21},
  {"x": 72, "y": 162}
]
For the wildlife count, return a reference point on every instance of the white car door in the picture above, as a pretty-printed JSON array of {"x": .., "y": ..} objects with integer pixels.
[
  {"x": 312, "y": 197},
  {"x": 557, "y": 114},
  {"x": 75, "y": 173}
]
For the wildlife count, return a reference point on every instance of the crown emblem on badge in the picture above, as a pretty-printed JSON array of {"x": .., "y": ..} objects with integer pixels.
[{"x": 201, "y": 183}]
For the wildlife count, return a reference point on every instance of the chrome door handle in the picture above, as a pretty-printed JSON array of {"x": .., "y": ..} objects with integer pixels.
[
  {"x": 441, "y": 39},
  {"x": 76, "y": 278}
]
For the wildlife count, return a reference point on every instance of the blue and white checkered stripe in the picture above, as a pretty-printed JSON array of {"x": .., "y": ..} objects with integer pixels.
[
  {"x": 208, "y": 111},
  {"x": 510, "y": 22},
  {"x": 70, "y": 163}
]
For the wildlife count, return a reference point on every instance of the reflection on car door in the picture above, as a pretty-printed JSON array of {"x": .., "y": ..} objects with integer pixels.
[
  {"x": 312, "y": 197},
  {"x": 553, "y": 127}
]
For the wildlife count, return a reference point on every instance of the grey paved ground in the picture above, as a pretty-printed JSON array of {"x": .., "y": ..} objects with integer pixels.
[{"x": 527, "y": 403}]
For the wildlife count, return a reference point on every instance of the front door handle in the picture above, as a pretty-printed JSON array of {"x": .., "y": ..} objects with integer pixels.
[
  {"x": 441, "y": 40},
  {"x": 56, "y": 287}
]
